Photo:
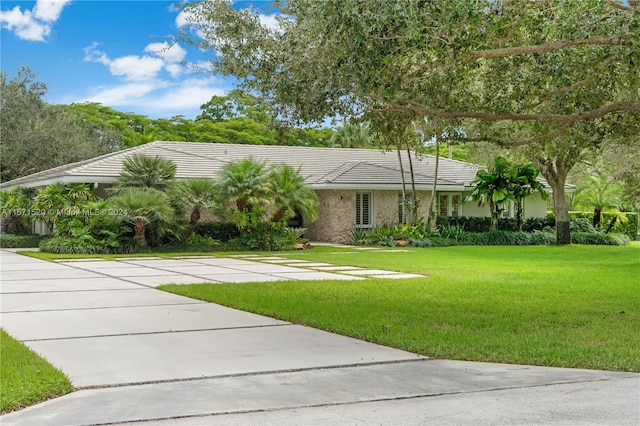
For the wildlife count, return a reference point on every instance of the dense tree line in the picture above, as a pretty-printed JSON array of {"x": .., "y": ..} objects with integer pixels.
[{"x": 36, "y": 136}]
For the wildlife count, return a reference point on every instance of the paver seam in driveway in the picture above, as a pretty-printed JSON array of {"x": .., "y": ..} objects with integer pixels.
[
  {"x": 195, "y": 302},
  {"x": 358, "y": 402},
  {"x": 71, "y": 291},
  {"x": 99, "y": 336},
  {"x": 418, "y": 358}
]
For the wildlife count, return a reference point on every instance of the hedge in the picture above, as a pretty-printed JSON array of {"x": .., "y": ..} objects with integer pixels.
[
  {"x": 20, "y": 241},
  {"x": 481, "y": 224}
]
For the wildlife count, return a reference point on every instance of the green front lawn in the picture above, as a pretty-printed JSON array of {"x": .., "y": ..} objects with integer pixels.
[
  {"x": 26, "y": 378},
  {"x": 572, "y": 306}
]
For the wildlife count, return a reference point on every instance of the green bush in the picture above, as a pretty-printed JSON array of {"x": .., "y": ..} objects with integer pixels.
[
  {"x": 630, "y": 228},
  {"x": 263, "y": 237},
  {"x": 66, "y": 245},
  {"x": 21, "y": 241},
  {"x": 597, "y": 238},
  {"x": 582, "y": 224},
  {"x": 541, "y": 238},
  {"x": 221, "y": 231}
]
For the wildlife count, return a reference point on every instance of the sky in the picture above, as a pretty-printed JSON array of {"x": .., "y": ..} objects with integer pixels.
[{"x": 119, "y": 53}]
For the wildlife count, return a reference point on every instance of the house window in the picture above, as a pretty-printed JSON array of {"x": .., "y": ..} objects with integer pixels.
[
  {"x": 455, "y": 205},
  {"x": 444, "y": 205},
  {"x": 508, "y": 210},
  {"x": 449, "y": 205},
  {"x": 363, "y": 209}
]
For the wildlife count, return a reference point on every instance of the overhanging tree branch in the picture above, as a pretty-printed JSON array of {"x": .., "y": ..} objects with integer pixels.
[
  {"x": 620, "y": 106},
  {"x": 546, "y": 48}
]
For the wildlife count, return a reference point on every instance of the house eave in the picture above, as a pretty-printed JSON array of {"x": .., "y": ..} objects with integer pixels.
[{"x": 385, "y": 187}]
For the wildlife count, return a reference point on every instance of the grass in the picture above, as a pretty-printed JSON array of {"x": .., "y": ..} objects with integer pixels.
[
  {"x": 26, "y": 378},
  {"x": 572, "y": 306}
]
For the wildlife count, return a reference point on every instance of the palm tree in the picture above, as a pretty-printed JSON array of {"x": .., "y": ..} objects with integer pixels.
[
  {"x": 246, "y": 184},
  {"x": 195, "y": 195},
  {"x": 50, "y": 202},
  {"x": 523, "y": 185},
  {"x": 351, "y": 136},
  {"x": 493, "y": 186},
  {"x": 602, "y": 195},
  {"x": 141, "y": 208},
  {"x": 144, "y": 172},
  {"x": 290, "y": 194}
]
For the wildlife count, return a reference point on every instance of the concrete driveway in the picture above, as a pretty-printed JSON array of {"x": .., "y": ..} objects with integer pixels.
[{"x": 138, "y": 354}]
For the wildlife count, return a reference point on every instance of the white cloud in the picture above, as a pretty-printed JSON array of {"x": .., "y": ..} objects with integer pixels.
[
  {"x": 171, "y": 53},
  {"x": 49, "y": 10},
  {"x": 130, "y": 67},
  {"x": 270, "y": 22},
  {"x": 33, "y": 25},
  {"x": 136, "y": 68},
  {"x": 158, "y": 97}
]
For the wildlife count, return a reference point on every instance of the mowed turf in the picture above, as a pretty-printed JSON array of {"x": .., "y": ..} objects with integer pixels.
[
  {"x": 26, "y": 378},
  {"x": 572, "y": 306}
]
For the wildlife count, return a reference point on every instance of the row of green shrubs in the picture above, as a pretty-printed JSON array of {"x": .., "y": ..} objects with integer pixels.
[
  {"x": 20, "y": 241},
  {"x": 481, "y": 224},
  {"x": 582, "y": 232}
]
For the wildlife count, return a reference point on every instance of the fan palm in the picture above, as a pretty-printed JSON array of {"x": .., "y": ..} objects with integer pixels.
[
  {"x": 195, "y": 195},
  {"x": 524, "y": 184},
  {"x": 291, "y": 194},
  {"x": 144, "y": 172},
  {"x": 141, "y": 208},
  {"x": 245, "y": 183}
]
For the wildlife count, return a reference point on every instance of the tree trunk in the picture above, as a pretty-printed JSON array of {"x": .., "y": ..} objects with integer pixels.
[
  {"x": 563, "y": 221},
  {"x": 431, "y": 213},
  {"x": 404, "y": 184},
  {"x": 493, "y": 208},
  {"x": 611, "y": 224},
  {"x": 414, "y": 194},
  {"x": 519, "y": 214},
  {"x": 555, "y": 172},
  {"x": 193, "y": 223},
  {"x": 279, "y": 214},
  {"x": 139, "y": 229},
  {"x": 597, "y": 218}
]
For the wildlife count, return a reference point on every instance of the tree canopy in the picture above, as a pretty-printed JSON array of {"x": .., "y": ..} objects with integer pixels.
[{"x": 561, "y": 62}]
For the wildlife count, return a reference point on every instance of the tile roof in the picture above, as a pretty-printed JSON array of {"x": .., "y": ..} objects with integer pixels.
[{"x": 321, "y": 167}]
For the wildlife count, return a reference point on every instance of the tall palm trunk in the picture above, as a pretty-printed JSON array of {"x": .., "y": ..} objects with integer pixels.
[
  {"x": 431, "y": 213},
  {"x": 404, "y": 184}
]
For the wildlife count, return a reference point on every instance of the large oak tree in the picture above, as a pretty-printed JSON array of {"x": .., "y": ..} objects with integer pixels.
[{"x": 546, "y": 66}]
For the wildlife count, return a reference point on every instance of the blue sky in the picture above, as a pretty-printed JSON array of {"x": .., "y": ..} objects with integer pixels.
[{"x": 111, "y": 52}]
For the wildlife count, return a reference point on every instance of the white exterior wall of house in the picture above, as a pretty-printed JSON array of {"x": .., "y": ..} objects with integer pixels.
[{"x": 337, "y": 211}]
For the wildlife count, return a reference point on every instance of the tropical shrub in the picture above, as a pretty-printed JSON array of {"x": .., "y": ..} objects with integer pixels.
[
  {"x": 455, "y": 232},
  {"x": 21, "y": 241},
  {"x": 597, "y": 238},
  {"x": 86, "y": 244},
  {"x": 263, "y": 237},
  {"x": 222, "y": 231},
  {"x": 15, "y": 207}
]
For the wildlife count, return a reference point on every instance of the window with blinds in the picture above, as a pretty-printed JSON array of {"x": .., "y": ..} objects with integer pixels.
[
  {"x": 363, "y": 209},
  {"x": 449, "y": 205},
  {"x": 444, "y": 205}
]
